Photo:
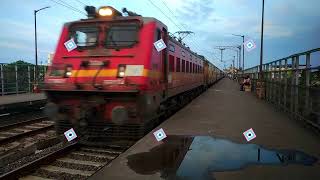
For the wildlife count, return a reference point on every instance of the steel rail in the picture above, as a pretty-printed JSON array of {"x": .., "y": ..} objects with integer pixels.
[{"x": 49, "y": 158}]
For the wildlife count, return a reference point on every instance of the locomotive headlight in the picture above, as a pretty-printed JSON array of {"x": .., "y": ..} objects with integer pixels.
[
  {"x": 121, "y": 74},
  {"x": 68, "y": 74},
  {"x": 105, "y": 11},
  {"x": 68, "y": 71},
  {"x": 121, "y": 70}
]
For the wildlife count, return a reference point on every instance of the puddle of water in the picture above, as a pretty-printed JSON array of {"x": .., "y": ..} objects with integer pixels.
[{"x": 188, "y": 157}]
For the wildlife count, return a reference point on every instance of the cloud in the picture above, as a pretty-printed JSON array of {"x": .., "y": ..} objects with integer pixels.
[
  {"x": 272, "y": 30},
  {"x": 18, "y": 37},
  {"x": 214, "y": 21},
  {"x": 21, "y": 47},
  {"x": 295, "y": 8},
  {"x": 175, "y": 4},
  {"x": 14, "y": 45},
  {"x": 25, "y": 31},
  {"x": 194, "y": 11},
  {"x": 244, "y": 17}
]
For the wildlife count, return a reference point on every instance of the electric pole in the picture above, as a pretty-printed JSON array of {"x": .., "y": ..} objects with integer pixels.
[
  {"x": 221, "y": 49},
  {"x": 234, "y": 48},
  {"x": 261, "y": 45},
  {"x": 183, "y": 34},
  {"x": 36, "y": 43},
  {"x": 242, "y": 49},
  {"x": 234, "y": 57}
]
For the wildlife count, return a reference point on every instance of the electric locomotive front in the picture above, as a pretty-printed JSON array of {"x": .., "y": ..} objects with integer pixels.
[{"x": 99, "y": 80}]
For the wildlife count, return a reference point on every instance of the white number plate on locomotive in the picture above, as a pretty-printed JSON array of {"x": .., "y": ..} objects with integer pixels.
[
  {"x": 113, "y": 81},
  {"x": 134, "y": 70}
]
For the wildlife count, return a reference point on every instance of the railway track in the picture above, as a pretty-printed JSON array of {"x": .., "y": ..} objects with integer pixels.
[
  {"x": 73, "y": 161},
  {"x": 10, "y": 118},
  {"x": 19, "y": 130}
]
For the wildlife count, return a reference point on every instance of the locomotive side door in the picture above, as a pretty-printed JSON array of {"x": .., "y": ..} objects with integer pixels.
[{"x": 163, "y": 34}]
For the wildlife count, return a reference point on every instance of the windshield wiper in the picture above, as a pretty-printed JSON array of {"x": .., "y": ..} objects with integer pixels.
[{"x": 114, "y": 43}]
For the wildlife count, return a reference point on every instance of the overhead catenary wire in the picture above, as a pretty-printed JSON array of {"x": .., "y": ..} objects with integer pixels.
[
  {"x": 70, "y": 6},
  {"x": 216, "y": 57},
  {"x": 62, "y": 3},
  {"x": 159, "y": 9},
  {"x": 80, "y": 2},
  {"x": 183, "y": 25},
  {"x": 169, "y": 9},
  {"x": 195, "y": 43},
  {"x": 197, "y": 46}
]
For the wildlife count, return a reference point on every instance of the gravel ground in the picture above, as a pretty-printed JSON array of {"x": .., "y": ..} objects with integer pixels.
[
  {"x": 6, "y": 120},
  {"x": 75, "y": 166},
  {"x": 13, "y": 146},
  {"x": 31, "y": 158},
  {"x": 87, "y": 158},
  {"x": 62, "y": 176},
  {"x": 72, "y": 166}
]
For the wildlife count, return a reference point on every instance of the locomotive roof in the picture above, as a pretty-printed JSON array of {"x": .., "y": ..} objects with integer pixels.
[
  {"x": 148, "y": 19},
  {"x": 145, "y": 20}
]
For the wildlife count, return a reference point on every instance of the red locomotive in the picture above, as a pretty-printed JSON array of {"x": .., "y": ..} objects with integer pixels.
[{"x": 108, "y": 78}]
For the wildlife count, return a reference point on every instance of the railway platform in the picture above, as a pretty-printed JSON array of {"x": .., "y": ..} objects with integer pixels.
[
  {"x": 21, "y": 98},
  {"x": 18, "y": 102},
  {"x": 205, "y": 141}
]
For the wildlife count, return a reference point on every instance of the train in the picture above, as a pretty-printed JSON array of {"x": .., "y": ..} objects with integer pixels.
[{"x": 115, "y": 74}]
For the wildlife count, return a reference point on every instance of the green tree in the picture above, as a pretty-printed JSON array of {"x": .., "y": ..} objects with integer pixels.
[{"x": 25, "y": 71}]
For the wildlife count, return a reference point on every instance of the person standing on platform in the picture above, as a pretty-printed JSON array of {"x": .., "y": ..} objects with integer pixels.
[{"x": 246, "y": 82}]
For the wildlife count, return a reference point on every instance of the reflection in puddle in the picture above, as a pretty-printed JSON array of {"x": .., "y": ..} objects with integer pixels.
[{"x": 185, "y": 157}]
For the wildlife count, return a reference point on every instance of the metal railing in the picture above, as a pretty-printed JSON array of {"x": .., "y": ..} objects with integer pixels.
[
  {"x": 16, "y": 79},
  {"x": 292, "y": 84}
]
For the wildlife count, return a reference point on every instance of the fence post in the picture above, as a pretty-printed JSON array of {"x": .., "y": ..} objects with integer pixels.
[
  {"x": 296, "y": 93},
  {"x": 292, "y": 84},
  {"x": 267, "y": 85},
  {"x": 285, "y": 78},
  {"x": 34, "y": 74},
  {"x": 276, "y": 82},
  {"x": 279, "y": 83},
  {"x": 29, "y": 79},
  {"x": 307, "y": 83},
  {"x": 17, "y": 85},
  {"x": 256, "y": 73},
  {"x": 308, "y": 66},
  {"x": 2, "y": 79},
  {"x": 44, "y": 73},
  {"x": 272, "y": 81}
]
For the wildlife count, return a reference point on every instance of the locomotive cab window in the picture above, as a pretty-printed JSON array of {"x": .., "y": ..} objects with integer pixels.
[
  {"x": 85, "y": 36},
  {"x": 158, "y": 34},
  {"x": 121, "y": 36}
]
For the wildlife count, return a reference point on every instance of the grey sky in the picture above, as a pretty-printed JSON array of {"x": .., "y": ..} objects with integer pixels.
[{"x": 291, "y": 26}]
